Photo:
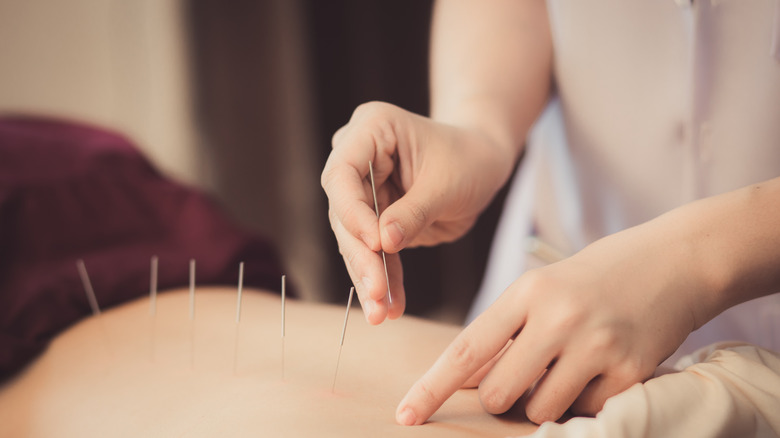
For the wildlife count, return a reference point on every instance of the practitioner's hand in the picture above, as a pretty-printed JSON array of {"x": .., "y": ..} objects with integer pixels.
[
  {"x": 432, "y": 181},
  {"x": 584, "y": 329}
]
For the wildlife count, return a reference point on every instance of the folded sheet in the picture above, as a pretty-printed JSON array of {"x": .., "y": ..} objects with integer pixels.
[{"x": 724, "y": 390}]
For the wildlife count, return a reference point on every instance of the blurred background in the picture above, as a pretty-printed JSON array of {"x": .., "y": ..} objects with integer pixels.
[{"x": 241, "y": 98}]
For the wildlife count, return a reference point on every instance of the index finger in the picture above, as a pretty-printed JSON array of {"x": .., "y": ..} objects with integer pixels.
[
  {"x": 475, "y": 346},
  {"x": 343, "y": 180}
]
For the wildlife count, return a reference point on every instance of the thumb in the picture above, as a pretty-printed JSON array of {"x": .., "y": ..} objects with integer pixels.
[{"x": 407, "y": 217}]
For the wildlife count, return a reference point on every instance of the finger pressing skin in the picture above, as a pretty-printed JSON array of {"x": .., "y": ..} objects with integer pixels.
[
  {"x": 366, "y": 270},
  {"x": 474, "y": 346},
  {"x": 558, "y": 388},
  {"x": 395, "y": 273},
  {"x": 528, "y": 356}
]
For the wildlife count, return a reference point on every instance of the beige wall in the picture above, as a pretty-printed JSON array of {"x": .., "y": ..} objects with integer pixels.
[
  {"x": 120, "y": 64},
  {"x": 125, "y": 64}
]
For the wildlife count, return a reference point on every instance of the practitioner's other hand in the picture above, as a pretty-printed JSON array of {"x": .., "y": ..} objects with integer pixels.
[
  {"x": 432, "y": 181},
  {"x": 576, "y": 332}
]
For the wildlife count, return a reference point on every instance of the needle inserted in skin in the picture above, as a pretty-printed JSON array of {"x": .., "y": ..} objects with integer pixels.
[
  {"x": 192, "y": 289},
  {"x": 238, "y": 313},
  {"x": 376, "y": 208},
  {"x": 192, "y": 313},
  {"x": 341, "y": 343},
  {"x": 88, "y": 287},
  {"x": 240, "y": 287},
  {"x": 153, "y": 305},
  {"x": 283, "y": 300},
  {"x": 93, "y": 304},
  {"x": 153, "y": 288}
]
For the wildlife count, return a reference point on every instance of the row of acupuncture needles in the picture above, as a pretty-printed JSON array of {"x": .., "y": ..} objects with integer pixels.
[{"x": 91, "y": 297}]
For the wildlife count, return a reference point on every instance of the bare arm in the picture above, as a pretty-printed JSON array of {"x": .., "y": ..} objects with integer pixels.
[
  {"x": 603, "y": 319},
  {"x": 491, "y": 66},
  {"x": 734, "y": 245}
]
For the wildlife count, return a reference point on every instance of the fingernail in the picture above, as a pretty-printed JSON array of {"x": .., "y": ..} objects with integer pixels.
[
  {"x": 407, "y": 417},
  {"x": 395, "y": 233}
]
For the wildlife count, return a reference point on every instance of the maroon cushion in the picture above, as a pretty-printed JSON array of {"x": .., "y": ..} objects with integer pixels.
[{"x": 70, "y": 191}]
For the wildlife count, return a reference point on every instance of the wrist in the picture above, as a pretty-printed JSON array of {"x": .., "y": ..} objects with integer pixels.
[
  {"x": 698, "y": 280},
  {"x": 487, "y": 150},
  {"x": 490, "y": 121},
  {"x": 729, "y": 246}
]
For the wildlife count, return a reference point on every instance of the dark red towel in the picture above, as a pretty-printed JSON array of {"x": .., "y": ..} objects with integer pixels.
[{"x": 71, "y": 191}]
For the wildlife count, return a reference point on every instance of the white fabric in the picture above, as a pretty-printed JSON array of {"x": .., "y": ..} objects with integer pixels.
[
  {"x": 725, "y": 391},
  {"x": 658, "y": 104}
]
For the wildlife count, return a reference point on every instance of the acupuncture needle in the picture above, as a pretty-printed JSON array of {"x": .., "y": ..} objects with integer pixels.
[
  {"x": 153, "y": 305},
  {"x": 192, "y": 313},
  {"x": 283, "y": 301},
  {"x": 238, "y": 313},
  {"x": 341, "y": 343},
  {"x": 88, "y": 287},
  {"x": 376, "y": 208},
  {"x": 93, "y": 304}
]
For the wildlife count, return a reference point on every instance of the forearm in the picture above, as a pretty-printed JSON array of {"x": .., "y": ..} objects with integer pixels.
[
  {"x": 491, "y": 68},
  {"x": 732, "y": 244}
]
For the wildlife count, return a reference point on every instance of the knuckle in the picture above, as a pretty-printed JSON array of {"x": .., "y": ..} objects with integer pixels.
[
  {"x": 335, "y": 140},
  {"x": 634, "y": 369},
  {"x": 371, "y": 109},
  {"x": 367, "y": 112},
  {"x": 344, "y": 213},
  {"x": 535, "y": 284},
  {"x": 376, "y": 122},
  {"x": 418, "y": 212},
  {"x": 550, "y": 403},
  {"x": 604, "y": 341},
  {"x": 335, "y": 223},
  {"x": 326, "y": 177},
  {"x": 567, "y": 318},
  {"x": 427, "y": 391},
  {"x": 461, "y": 354},
  {"x": 539, "y": 413},
  {"x": 494, "y": 399},
  {"x": 349, "y": 211},
  {"x": 347, "y": 253},
  {"x": 384, "y": 136},
  {"x": 537, "y": 279}
]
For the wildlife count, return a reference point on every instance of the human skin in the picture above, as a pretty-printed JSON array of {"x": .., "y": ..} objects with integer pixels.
[
  {"x": 128, "y": 374},
  {"x": 593, "y": 324},
  {"x": 435, "y": 175},
  {"x": 605, "y": 318}
]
